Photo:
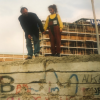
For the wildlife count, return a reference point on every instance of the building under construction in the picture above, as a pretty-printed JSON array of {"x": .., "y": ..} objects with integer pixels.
[{"x": 77, "y": 38}]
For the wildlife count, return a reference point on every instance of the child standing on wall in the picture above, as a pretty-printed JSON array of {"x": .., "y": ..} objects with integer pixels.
[{"x": 54, "y": 25}]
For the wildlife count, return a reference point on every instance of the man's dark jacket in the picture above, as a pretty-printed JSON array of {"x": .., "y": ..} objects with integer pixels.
[{"x": 30, "y": 24}]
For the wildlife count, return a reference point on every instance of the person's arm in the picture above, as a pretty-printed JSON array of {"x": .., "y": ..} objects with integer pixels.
[
  {"x": 22, "y": 24},
  {"x": 60, "y": 22},
  {"x": 39, "y": 23},
  {"x": 23, "y": 27}
]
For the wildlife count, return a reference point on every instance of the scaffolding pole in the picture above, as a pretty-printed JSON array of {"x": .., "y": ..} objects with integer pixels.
[
  {"x": 92, "y": 1},
  {"x": 23, "y": 45}
]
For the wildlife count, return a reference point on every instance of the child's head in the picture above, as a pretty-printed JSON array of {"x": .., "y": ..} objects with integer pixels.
[{"x": 52, "y": 9}]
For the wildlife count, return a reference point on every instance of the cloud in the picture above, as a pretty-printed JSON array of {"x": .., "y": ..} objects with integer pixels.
[
  {"x": 71, "y": 11},
  {"x": 11, "y": 33}
]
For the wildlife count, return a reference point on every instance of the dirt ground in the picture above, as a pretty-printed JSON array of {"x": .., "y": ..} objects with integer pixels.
[{"x": 64, "y": 59}]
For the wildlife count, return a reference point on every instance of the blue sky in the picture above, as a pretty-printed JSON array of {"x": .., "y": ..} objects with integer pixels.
[{"x": 11, "y": 33}]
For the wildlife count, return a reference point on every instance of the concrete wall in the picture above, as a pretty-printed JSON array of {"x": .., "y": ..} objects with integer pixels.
[{"x": 47, "y": 79}]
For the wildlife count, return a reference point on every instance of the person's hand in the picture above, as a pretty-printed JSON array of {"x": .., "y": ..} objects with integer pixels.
[
  {"x": 60, "y": 30},
  {"x": 29, "y": 36},
  {"x": 43, "y": 32}
]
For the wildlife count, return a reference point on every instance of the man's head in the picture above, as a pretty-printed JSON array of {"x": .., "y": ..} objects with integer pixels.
[{"x": 24, "y": 10}]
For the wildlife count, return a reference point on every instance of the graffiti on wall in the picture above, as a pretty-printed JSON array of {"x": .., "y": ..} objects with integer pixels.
[
  {"x": 88, "y": 78},
  {"x": 6, "y": 84},
  {"x": 25, "y": 89}
]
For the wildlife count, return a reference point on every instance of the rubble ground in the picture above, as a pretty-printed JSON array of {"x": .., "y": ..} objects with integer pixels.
[{"x": 49, "y": 59}]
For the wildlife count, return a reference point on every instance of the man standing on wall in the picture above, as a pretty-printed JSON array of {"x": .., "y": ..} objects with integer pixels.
[{"x": 30, "y": 24}]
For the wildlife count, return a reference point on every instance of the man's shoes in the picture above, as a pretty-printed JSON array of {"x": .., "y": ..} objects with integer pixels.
[
  {"x": 29, "y": 57},
  {"x": 36, "y": 54},
  {"x": 58, "y": 54},
  {"x": 40, "y": 53}
]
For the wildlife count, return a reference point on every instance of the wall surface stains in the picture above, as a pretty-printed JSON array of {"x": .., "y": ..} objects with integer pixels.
[{"x": 54, "y": 81}]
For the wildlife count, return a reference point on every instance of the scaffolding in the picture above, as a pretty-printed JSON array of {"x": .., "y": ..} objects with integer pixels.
[{"x": 77, "y": 38}]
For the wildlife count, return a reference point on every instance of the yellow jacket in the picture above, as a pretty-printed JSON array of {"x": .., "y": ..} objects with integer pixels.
[{"x": 52, "y": 17}]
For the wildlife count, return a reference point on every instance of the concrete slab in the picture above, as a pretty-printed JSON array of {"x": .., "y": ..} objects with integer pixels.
[
  {"x": 22, "y": 68},
  {"x": 77, "y": 66}
]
